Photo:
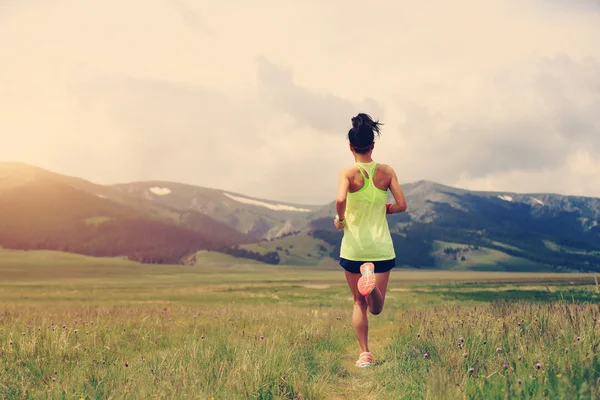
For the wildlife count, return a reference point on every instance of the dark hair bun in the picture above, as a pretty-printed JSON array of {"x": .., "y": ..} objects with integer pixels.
[
  {"x": 362, "y": 121},
  {"x": 363, "y": 132}
]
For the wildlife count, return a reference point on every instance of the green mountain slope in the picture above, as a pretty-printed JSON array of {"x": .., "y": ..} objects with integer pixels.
[
  {"x": 43, "y": 210},
  {"x": 164, "y": 221},
  {"x": 258, "y": 218}
]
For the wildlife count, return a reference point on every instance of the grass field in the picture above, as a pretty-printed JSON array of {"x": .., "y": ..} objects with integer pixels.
[
  {"x": 483, "y": 259},
  {"x": 297, "y": 250},
  {"x": 76, "y": 327}
]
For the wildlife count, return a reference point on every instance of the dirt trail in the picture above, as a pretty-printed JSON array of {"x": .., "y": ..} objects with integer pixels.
[{"x": 361, "y": 383}]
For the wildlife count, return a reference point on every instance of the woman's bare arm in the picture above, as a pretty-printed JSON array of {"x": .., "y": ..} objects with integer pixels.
[
  {"x": 342, "y": 193},
  {"x": 400, "y": 204}
]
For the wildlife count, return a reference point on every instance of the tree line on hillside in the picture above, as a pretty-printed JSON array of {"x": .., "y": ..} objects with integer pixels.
[
  {"x": 139, "y": 240},
  {"x": 271, "y": 257}
]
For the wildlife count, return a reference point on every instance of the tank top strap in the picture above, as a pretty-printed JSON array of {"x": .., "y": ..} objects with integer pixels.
[
  {"x": 361, "y": 170},
  {"x": 373, "y": 171}
]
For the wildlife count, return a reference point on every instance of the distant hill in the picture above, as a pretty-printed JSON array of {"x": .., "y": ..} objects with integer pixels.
[
  {"x": 43, "y": 210},
  {"x": 258, "y": 218},
  {"x": 157, "y": 221}
]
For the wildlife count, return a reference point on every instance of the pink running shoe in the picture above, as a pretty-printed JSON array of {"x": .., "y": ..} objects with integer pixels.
[
  {"x": 365, "y": 359},
  {"x": 366, "y": 283}
]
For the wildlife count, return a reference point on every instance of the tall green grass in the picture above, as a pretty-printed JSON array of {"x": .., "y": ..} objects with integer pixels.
[{"x": 74, "y": 328}]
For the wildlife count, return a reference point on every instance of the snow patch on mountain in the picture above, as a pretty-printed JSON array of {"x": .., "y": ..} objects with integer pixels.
[
  {"x": 538, "y": 201},
  {"x": 276, "y": 207},
  {"x": 160, "y": 191},
  {"x": 505, "y": 198}
]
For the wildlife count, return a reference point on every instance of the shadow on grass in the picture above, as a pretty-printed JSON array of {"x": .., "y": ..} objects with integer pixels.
[{"x": 571, "y": 296}]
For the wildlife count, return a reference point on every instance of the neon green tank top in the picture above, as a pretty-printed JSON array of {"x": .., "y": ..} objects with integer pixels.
[{"x": 366, "y": 233}]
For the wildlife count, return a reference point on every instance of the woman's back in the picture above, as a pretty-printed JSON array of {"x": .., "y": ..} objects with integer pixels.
[{"x": 366, "y": 234}]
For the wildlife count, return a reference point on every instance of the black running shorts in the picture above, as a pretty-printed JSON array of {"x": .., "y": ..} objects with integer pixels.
[{"x": 380, "y": 266}]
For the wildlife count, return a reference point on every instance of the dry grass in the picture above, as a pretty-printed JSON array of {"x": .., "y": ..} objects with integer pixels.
[{"x": 75, "y": 327}]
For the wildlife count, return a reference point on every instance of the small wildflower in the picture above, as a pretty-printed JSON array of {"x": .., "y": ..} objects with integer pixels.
[
  {"x": 485, "y": 342},
  {"x": 538, "y": 365},
  {"x": 75, "y": 331},
  {"x": 53, "y": 379},
  {"x": 519, "y": 381},
  {"x": 505, "y": 366},
  {"x": 202, "y": 337},
  {"x": 262, "y": 337},
  {"x": 126, "y": 364},
  {"x": 578, "y": 338},
  {"x": 338, "y": 318},
  {"x": 464, "y": 355},
  {"x": 471, "y": 370},
  {"x": 418, "y": 335},
  {"x": 10, "y": 342},
  {"x": 107, "y": 347},
  {"x": 426, "y": 355},
  {"x": 462, "y": 339},
  {"x": 498, "y": 349}
]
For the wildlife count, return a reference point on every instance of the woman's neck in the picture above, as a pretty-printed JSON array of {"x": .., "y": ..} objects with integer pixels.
[{"x": 363, "y": 158}]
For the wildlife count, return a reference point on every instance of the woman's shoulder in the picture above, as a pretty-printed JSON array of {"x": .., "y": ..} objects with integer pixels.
[
  {"x": 347, "y": 169},
  {"x": 386, "y": 168}
]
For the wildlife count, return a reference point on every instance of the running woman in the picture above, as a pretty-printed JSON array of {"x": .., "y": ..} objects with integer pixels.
[{"x": 367, "y": 251}]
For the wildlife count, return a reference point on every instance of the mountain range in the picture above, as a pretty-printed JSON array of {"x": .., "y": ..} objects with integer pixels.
[{"x": 168, "y": 222}]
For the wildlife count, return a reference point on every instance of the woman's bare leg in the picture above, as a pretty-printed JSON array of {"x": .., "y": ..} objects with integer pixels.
[
  {"x": 373, "y": 302},
  {"x": 360, "y": 320},
  {"x": 377, "y": 297}
]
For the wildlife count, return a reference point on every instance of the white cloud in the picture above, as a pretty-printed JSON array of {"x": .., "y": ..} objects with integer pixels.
[{"x": 259, "y": 101}]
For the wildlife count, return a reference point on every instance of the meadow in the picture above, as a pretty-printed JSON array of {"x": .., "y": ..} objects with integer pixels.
[{"x": 74, "y": 327}]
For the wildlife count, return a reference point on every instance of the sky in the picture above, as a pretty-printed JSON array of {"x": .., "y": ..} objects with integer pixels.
[{"x": 257, "y": 97}]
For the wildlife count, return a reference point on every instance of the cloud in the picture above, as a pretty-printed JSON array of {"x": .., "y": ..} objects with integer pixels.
[
  {"x": 324, "y": 112},
  {"x": 172, "y": 130},
  {"x": 255, "y": 101},
  {"x": 521, "y": 123},
  {"x": 190, "y": 16},
  {"x": 572, "y": 5}
]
